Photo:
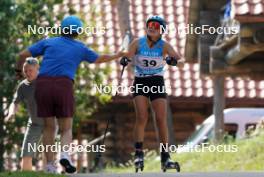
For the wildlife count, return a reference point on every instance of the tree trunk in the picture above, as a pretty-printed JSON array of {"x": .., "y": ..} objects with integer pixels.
[
  {"x": 206, "y": 39},
  {"x": 123, "y": 16},
  {"x": 219, "y": 105}
]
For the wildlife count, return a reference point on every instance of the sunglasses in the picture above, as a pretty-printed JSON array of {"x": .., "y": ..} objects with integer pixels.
[
  {"x": 32, "y": 61},
  {"x": 154, "y": 25}
]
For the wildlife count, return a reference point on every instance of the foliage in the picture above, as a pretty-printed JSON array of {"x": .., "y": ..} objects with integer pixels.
[{"x": 249, "y": 157}]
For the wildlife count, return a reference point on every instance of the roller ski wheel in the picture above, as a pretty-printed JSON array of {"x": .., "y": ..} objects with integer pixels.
[
  {"x": 139, "y": 161},
  {"x": 170, "y": 165}
]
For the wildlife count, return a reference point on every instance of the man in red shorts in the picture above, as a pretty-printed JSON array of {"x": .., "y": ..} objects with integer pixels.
[{"x": 54, "y": 85}]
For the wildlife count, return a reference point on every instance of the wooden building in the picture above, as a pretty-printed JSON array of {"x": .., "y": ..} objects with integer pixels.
[
  {"x": 192, "y": 91},
  {"x": 235, "y": 53}
]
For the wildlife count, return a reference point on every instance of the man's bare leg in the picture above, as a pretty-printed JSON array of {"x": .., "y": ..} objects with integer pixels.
[
  {"x": 49, "y": 133},
  {"x": 26, "y": 163},
  {"x": 65, "y": 129}
]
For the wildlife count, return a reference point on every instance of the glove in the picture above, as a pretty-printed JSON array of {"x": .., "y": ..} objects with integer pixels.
[
  {"x": 171, "y": 61},
  {"x": 124, "y": 61}
]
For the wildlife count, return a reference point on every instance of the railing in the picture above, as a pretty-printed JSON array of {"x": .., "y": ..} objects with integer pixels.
[{"x": 93, "y": 161}]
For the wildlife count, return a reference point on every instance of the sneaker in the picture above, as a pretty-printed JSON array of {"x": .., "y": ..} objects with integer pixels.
[
  {"x": 51, "y": 168},
  {"x": 66, "y": 162}
]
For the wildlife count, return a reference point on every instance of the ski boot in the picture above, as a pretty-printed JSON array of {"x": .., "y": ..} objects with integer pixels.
[
  {"x": 167, "y": 163},
  {"x": 139, "y": 161}
]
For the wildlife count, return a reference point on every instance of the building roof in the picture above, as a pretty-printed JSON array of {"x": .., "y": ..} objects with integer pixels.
[
  {"x": 184, "y": 82},
  {"x": 249, "y": 7}
]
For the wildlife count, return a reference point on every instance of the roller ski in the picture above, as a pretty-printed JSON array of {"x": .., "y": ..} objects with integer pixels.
[
  {"x": 167, "y": 163},
  {"x": 139, "y": 161}
]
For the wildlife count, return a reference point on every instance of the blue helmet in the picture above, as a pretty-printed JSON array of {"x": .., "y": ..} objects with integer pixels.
[
  {"x": 158, "y": 19},
  {"x": 72, "y": 22}
]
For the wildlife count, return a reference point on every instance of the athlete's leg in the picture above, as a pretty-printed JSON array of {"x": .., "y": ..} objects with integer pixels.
[
  {"x": 141, "y": 108},
  {"x": 159, "y": 106},
  {"x": 160, "y": 109}
]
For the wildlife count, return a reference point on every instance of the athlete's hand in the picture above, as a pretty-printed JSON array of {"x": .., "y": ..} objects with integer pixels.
[
  {"x": 124, "y": 61},
  {"x": 171, "y": 61}
]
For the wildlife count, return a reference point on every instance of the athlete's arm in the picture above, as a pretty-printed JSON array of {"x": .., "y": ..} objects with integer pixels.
[
  {"x": 108, "y": 57},
  {"x": 169, "y": 50},
  {"x": 130, "y": 53},
  {"x": 132, "y": 49}
]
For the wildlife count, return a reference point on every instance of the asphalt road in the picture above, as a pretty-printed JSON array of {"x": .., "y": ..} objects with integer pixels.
[{"x": 211, "y": 174}]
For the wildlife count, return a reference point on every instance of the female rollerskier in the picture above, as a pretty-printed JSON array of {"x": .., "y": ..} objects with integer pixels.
[{"x": 148, "y": 55}]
